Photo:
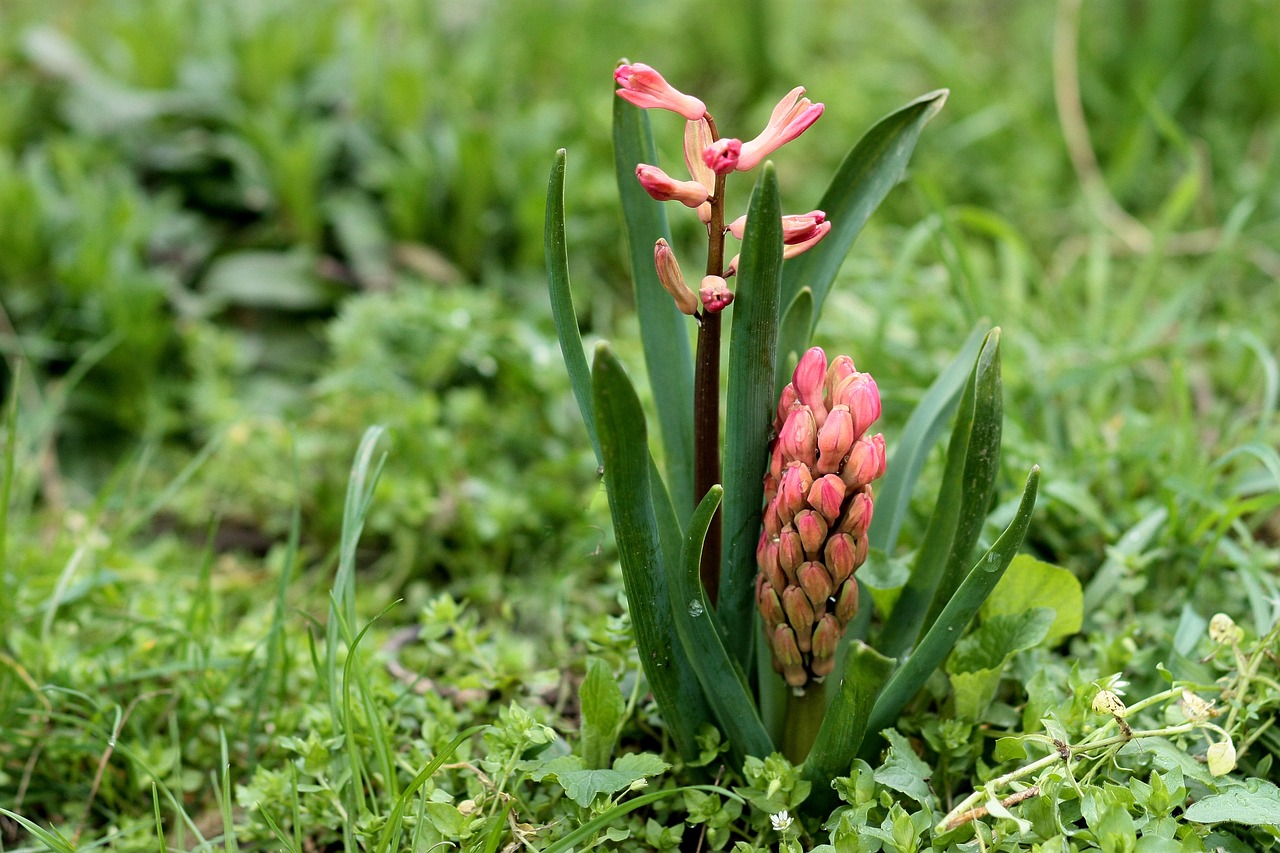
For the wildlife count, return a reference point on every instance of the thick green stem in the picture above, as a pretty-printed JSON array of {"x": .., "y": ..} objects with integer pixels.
[
  {"x": 706, "y": 396},
  {"x": 805, "y": 712}
]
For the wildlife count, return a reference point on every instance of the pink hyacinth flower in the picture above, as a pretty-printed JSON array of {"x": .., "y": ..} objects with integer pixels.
[
  {"x": 715, "y": 294},
  {"x": 791, "y": 117},
  {"x": 662, "y": 187},
  {"x": 646, "y": 88},
  {"x": 722, "y": 156}
]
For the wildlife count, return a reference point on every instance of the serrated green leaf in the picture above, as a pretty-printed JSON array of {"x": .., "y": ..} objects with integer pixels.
[
  {"x": 950, "y": 624},
  {"x": 627, "y": 474},
  {"x": 1031, "y": 583},
  {"x": 723, "y": 683},
  {"x": 602, "y": 706},
  {"x": 872, "y": 168},
  {"x": 562, "y": 311},
  {"x": 903, "y": 770},
  {"x": 749, "y": 412},
  {"x": 668, "y": 356}
]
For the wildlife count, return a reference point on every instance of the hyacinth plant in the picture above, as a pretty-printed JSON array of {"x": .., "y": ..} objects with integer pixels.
[{"x": 739, "y": 554}]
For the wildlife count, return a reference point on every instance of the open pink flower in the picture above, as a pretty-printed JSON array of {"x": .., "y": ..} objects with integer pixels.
[
  {"x": 715, "y": 294},
  {"x": 722, "y": 155},
  {"x": 791, "y": 117},
  {"x": 646, "y": 88},
  {"x": 663, "y": 187},
  {"x": 796, "y": 227}
]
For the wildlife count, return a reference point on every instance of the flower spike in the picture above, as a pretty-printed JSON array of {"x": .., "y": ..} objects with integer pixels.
[
  {"x": 791, "y": 117},
  {"x": 646, "y": 88}
]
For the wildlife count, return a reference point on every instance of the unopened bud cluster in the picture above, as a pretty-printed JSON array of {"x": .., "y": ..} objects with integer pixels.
[
  {"x": 820, "y": 502},
  {"x": 708, "y": 159}
]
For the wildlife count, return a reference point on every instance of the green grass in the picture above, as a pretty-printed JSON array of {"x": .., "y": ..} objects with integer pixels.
[{"x": 237, "y": 236}]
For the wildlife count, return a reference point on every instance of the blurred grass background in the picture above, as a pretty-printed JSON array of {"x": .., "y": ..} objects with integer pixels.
[{"x": 233, "y": 235}]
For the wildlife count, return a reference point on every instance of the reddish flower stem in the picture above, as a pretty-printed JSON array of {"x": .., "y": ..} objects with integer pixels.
[{"x": 706, "y": 395}]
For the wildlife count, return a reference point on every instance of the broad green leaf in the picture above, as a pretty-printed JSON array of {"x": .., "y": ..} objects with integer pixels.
[
  {"x": 844, "y": 726},
  {"x": 961, "y": 506},
  {"x": 602, "y": 709},
  {"x": 627, "y": 476},
  {"x": 904, "y": 771},
  {"x": 793, "y": 338},
  {"x": 869, "y": 171},
  {"x": 955, "y": 617},
  {"x": 562, "y": 312},
  {"x": 664, "y": 330},
  {"x": 749, "y": 415},
  {"x": 923, "y": 429},
  {"x": 1256, "y": 802},
  {"x": 722, "y": 680},
  {"x": 978, "y": 662},
  {"x": 583, "y": 784},
  {"x": 1030, "y": 583}
]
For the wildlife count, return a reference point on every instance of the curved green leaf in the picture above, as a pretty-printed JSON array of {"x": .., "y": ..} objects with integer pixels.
[
  {"x": 722, "y": 680},
  {"x": 845, "y": 725},
  {"x": 628, "y": 470},
  {"x": 393, "y": 824},
  {"x": 566, "y": 319},
  {"x": 961, "y": 506},
  {"x": 668, "y": 357},
  {"x": 924, "y": 427},
  {"x": 955, "y": 617},
  {"x": 869, "y": 171},
  {"x": 600, "y": 821},
  {"x": 751, "y": 403},
  {"x": 793, "y": 338}
]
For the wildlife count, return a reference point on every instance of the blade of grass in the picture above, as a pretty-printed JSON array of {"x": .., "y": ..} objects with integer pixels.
[
  {"x": 641, "y": 549},
  {"x": 845, "y": 725},
  {"x": 955, "y": 617},
  {"x": 6, "y": 492},
  {"x": 599, "y": 822},
  {"x": 566, "y": 319},
  {"x": 752, "y": 347},
  {"x": 923, "y": 429},
  {"x": 396, "y": 816},
  {"x": 960, "y": 508},
  {"x": 668, "y": 357},
  {"x": 722, "y": 680},
  {"x": 869, "y": 171}
]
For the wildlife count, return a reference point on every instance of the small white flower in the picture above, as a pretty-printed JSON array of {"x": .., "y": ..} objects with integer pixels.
[{"x": 781, "y": 821}]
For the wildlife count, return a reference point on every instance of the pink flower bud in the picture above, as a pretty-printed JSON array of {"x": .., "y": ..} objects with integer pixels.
[
  {"x": 846, "y": 601},
  {"x": 835, "y": 439},
  {"x": 825, "y": 496},
  {"x": 799, "y": 437},
  {"x": 772, "y": 524},
  {"x": 786, "y": 652},
  {"x": 790, "y": 551},
  {"x": 672, "y": 279},
  {"x": 715, "y": 294},
  {"x": 791, "y": 117},
  {"x": 841, "y": 557},
  {"x": 662, "y": 187},
  {"x": 774, "y": 476},
  {"x": 767, "y": 560},
  {"x": 769, "y": 604},
  {"x": 722, "y": 155},
  {"x": 790, "y": 250},
  {"x": 787, "y": 401},
  {"x": 808, "y": 378},
  {"x": 646, "y": 88},
  {"x": 697, "y": 136},
  {"x": 798, "y": 227},
  {"x": 793, "y": 492},
  {"x": 860, "y": 394},
  {"x": 866, "y": 462},
  {"x": 826, "y": 636},
  {"x": 812, "y": 528},
  {"x": 800, "y": 614},
  {"x": 816, "y": 583},
  {"x": 857, "y": 515},
  {"x": 840, "y": 369}
]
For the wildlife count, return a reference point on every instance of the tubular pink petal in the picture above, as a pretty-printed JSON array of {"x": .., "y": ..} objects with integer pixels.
[
  {"x": 840, "y": 556},
  {"x": 841, "y": 368},
  {"x": 738, "y": 227},
  {"x": 815, "y": 237},
  {"x": 672, "y": 279},
  {"x": 790, "y": 551},
  {"x": 808, "y": 378},
  {"x": 793, "y": 492},
  {"x": 812, "y": 528},
  {"x": 697, "y": 136},
  {"x": 715, "y": 294},
  {"x": 866, "y": 462},
  {"x": 860, "y": 393},
  {"x": 791, "y": 117},
  {"x": 798, "y": 227},
  {"x": 662, "y": 187},
  {"x": 722, "y": 155},
  {"x": 646, "y": 88},
  {"x": 825, "y": 496},
  {"x": 816, "y": 583},
  {"x": 826, "y": 636},
  {"x": 846, "y": 601},
  {"x": 799, "y": 437},
  {"x": 800, "y": 615},
  {"x": 835, "y": 439},
  {"x": 857, "y": 515}
]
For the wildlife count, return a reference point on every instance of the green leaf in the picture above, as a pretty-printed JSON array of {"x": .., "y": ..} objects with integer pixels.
[
  {"x": 602, "y": 709},
  {"x": 582, "y": 785},
  {"x": 872, "y": 168},
  {"x": 52, "y": 839},
  {"x": 591, "y": 827},
  {"x": 1030, "y": 583},
  {"x": 265, "y": 279},
  {"x": 562, "y": 312},
  {"x": 723, "y": 683},
  {"x": 961, "y": 507},
  {"x": 978, "y": 662},
  {"x": 627, "y": 475},
  {"x": 793, "y": 337},
  {"x": 845, "y": 725},
  {"x": 923, "y": 429},
  {"x": 1256, "y": 802},
  {"x": 903, "y": 770},
  {"x": 950, "y": 624},
  {"x": 668, "y": 356},
  {"x": 750, "y": 407}
]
